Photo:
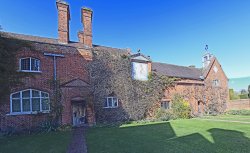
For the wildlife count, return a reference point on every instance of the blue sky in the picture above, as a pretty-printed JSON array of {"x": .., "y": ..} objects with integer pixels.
[{"x": 171, "y": 31}]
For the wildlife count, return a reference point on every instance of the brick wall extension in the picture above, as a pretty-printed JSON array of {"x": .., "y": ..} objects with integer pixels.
[{"x": 238, "y": 104}]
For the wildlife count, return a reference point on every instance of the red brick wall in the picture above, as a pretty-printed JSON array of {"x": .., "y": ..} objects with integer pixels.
[
  {"x": 72, "y": 66},
  {"x": 220, "y": 75},
  {"x": 183, "y": 87},
  {"x": 238, "y": 104},
  {"x": 192, "y": 89}
]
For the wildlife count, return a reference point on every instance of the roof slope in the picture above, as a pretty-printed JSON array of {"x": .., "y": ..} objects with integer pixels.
[
  {"x": 52, "y": 41},
  {"x": 177, "y": 71}
]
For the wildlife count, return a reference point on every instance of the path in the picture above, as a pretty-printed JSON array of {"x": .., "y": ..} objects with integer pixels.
[{"x": 78, "y": 142}]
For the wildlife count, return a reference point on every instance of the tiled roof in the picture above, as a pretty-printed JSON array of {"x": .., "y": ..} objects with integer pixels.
[
  {"x": 51, "y": 41},
  {"x": 71, "y": 47},
  {"x": 177, "y": 71}
]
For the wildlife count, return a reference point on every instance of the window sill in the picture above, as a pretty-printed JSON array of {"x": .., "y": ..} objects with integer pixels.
[
  {"x": 109, "y": 107},
  {"x": 26, "y": 71},
  {"x": 27, "y": 113}
]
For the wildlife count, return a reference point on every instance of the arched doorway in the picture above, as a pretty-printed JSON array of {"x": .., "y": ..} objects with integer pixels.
[{"x": 79, "y": 113}]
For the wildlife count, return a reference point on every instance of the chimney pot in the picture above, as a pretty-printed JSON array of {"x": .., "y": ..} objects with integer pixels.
[
  {"x": 63, "y": 21},
  {"x": 85, "y": 37}
]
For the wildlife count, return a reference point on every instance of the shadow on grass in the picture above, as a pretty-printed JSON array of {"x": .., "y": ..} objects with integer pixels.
[{"x": 161, "y": 138}]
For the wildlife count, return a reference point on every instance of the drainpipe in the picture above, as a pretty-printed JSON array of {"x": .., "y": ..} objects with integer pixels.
[
  {"x": 54, "y": 62},
  {"x": 203, "y": 95}
]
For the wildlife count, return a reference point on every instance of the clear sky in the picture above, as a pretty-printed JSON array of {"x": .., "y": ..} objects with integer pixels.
[{"x": 171, "y": 31}]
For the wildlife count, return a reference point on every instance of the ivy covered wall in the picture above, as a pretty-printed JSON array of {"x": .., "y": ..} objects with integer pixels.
[
  {"x": 9, "y": 76},
  {"x": 110, "y": 75}
]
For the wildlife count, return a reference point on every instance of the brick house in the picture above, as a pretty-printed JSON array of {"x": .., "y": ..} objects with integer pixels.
[{"x": 61, "y": 59}]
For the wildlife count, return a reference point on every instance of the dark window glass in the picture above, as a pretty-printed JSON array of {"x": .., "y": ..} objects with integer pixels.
[
  {"x": 165, "y": 105},
  {"x": 25, "y": 64},
  {"x": 16, "y": 105}
]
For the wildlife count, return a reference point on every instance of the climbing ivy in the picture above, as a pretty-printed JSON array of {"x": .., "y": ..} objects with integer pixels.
[
  {"x": 9, "y": 76},
  {"x": 110, "y": 75}
]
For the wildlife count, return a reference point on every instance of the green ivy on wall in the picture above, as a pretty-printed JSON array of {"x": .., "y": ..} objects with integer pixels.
[{"x": 9, "y": 76}]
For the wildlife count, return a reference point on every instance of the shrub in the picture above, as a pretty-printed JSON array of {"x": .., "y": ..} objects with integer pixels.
[
  {"x": 239, "y": 112},
  {"x": 165, "y": 115},
  {"x": 180, "y": 107},
  {"x": 243, "y": 96},
  {"x": 233, "y": 95}
]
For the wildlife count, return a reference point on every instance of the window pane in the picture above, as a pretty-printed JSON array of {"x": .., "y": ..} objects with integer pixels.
[
  {"x": 109, "y": 102},
  {"x": 35, "y": 93},
  {"x": 17, "y": 95},
  {"x": 16, "y": 105},
  {"x": 106, "y": 103},
  {"x": 115, "y": 103},
  {"x": 45, "y": 104},
  {"x": 35, "y": 63},
  {"x": 165, "y": 105},
  {"x": 26, "y": 105},
  {"x": 26, "y": 94},
  {"x": 35, "y": 104},
  {"x": 45, "y": 94},
  {"x": 25, "y": 64}
]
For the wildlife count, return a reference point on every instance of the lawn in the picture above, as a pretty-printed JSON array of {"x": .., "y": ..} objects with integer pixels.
[
  {"x": 54, "y": 142},
  {"x": 229, "y": 118},
  {"x": 178, "y": 136}
]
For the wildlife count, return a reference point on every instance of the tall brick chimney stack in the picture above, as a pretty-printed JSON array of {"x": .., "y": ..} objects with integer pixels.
[
  {"x": 85, "y": 36},
  {"x": 63, "y": 21}
]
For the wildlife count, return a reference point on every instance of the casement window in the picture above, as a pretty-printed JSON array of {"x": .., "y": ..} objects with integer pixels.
[
  {"x": 29, "y": 65},
  {"x": 29, "y": 101},
  {"x": 111, "y": 102},
  {"x": 165, "y": 104},
  {"x": 216, "y": 83}
]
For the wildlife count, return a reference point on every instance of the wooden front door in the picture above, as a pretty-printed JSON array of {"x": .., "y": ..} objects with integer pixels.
[{"x": 79, "y": 114}]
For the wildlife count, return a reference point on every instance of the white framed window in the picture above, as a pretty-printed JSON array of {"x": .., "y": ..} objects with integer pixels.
[
  {"x": 29, "y": 65},
  {"x": 111, "y": 102},
  {"x": 29, "y": 101},
  {"x": 165, "y": 104},
  {"x": 216, "y": 83}
]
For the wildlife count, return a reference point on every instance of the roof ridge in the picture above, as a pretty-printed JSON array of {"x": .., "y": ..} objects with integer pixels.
[
  {"x": 48, "y": 40},
  {"x": 28, "y": 35},
  {"x": 177, "y": 65}
]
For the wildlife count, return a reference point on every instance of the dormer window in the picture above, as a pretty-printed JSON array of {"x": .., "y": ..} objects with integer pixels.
[
  {"x": 141, "y": 66},
  {"x": 140, "y": 71},
  {"x": 29, "y": 65}
]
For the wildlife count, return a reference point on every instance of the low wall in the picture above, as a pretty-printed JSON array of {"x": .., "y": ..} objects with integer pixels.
[{"x": 238, "y": 104}]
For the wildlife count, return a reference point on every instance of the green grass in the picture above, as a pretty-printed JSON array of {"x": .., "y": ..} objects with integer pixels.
[
  {"x": 178, "y": 136},
  {"x": 240, "y": 118},
  {"x": 54, "y": 142}
]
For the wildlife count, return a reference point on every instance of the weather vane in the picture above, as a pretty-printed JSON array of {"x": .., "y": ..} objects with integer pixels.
[{"x": 206, "y": 48}]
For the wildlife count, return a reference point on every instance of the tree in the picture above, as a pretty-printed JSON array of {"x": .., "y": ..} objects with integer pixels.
[
  {"x": 249, "y": 91},
  {"x": 243, "y": 91}
]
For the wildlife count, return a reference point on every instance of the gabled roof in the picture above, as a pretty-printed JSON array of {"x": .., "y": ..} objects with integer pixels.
[
  {"x": 177, "y": 71},
  {"x": 208, "y": 69},
  {"x": 140, "y": 57},
  {"x": 75, "y": 83}
]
